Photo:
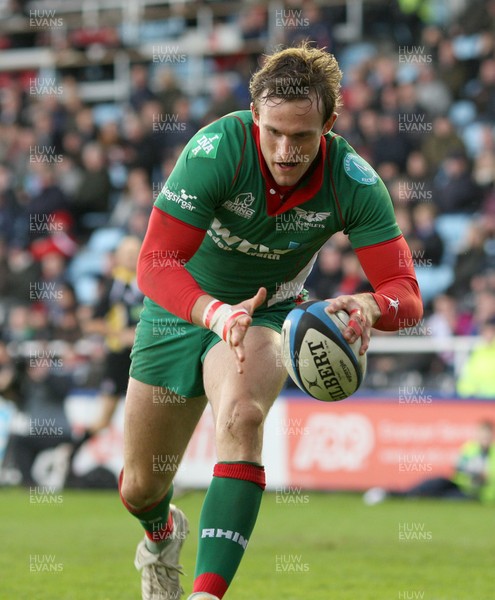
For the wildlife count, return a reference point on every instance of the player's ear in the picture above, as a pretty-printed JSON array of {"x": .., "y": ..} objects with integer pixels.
[
  {"x": 329, "y": 124},
  {"x": 254, "y": 113}
]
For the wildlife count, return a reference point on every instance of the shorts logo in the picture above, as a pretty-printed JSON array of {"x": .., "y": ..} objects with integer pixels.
[
  {"x": 182, "y": 199},
  {"x": 241, "y": 205},
  {"x": 207, "y": 146},
  {"x": 359, "y": 170}
]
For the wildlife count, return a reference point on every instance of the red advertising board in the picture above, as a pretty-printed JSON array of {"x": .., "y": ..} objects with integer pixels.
[{"x": 360, "y": 443}]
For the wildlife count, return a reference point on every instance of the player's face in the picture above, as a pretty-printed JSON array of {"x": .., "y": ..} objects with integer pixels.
[{"x": 290, "y": 133}]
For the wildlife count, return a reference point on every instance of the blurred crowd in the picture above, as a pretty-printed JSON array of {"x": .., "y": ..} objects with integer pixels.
[{"x": 76, "y": 177}]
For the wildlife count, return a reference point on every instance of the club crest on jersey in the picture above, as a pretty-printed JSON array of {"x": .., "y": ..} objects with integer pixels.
[
  {"x": 206, "y": 146},
  {"x": 240, "y": 205},
  {"x": 359, "y": 170},
  {"x": 299, "y": 219}
]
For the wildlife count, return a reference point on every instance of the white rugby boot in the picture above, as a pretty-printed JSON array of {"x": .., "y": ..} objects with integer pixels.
[
  {"x": 160, "y": 572},
  {"x": 202, "y": 596}
]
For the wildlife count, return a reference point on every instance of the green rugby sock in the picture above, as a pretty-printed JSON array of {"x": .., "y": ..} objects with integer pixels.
[
  {"x": 227, "y": 520},
  {"x": 156, "y": 519}
]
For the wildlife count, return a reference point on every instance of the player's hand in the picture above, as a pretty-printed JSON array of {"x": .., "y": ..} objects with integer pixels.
[
  {"x": 240, "y": 326},
  {"x": 363, "y": 313}
]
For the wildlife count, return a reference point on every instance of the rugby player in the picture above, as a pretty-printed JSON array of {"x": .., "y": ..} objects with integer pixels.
[{"x": 220, "y": 269}]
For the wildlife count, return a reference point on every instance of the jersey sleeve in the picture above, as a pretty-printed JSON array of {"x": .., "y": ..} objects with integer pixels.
[
  {"x": 365, "y": 204},
  {"x": 389, "y": 268},
  {"x": 204, "y": 172}
]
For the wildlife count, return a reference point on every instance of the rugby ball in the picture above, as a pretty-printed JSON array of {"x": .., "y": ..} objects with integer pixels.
[{"x": 317, "y": 357}]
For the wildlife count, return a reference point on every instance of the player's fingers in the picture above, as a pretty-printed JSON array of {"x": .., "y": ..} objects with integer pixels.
[
  {"x": 365, "y": 340},
  {"x": 257, "y": 300},
  {"x": 239, "y": 357},
  {"x": 355, "y": 326},
  {"x": 358, "y": 327},
  {"x": 356, "y": 321},
  {"x": 335, "y": 304},
  {"x": 238, "y": 329}
]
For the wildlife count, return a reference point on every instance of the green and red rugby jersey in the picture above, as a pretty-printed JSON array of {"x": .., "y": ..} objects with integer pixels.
[{"x": 257, "y": 234}]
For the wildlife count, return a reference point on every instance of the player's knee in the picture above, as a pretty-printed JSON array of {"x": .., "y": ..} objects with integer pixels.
[
  {"x": 140, "y": 492},
  {"x": 242, "y": 419}
]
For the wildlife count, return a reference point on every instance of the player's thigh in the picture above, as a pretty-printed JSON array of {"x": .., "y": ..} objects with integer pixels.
[
  {"x": 158, "y": 425},
  {"x": 240, "y": 402}
]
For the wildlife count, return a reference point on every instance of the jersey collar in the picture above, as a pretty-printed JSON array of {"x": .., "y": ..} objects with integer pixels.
[{"x": 280, "y": 199}]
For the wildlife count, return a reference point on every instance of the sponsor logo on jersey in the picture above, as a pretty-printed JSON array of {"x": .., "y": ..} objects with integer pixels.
[
  {"x": 359, "y": 170},
  {"x": 240, "y": 205},
  {"x": 226, "y": 240},
  {"x": 206, "y": 146},
  {"x": 183, "y": 199}
]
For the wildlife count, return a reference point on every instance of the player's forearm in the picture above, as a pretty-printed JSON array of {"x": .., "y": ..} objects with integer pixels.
[
  {"x": 389, "y": 268},
  {"x": 400, "y": 304},
  {"x": 161, "y": 274},
  {"x": 174, "y": 289}
]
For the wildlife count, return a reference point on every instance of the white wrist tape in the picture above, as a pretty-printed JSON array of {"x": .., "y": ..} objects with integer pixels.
[{"x": 220, "y": 318}]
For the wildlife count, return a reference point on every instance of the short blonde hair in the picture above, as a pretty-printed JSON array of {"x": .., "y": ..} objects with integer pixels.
[{"x": 301, "y": 72}]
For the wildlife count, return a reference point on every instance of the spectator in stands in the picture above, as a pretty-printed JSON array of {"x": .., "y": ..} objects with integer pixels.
[
  {"x": 390, "y": 145},
  {"x": 307, "y": 21},
  {"x": 253, "y": 22},
  {"x": 484, "y": 164},
  {"x": 477, "y": 378},
  {"x": 353, "y": 280},
  {"x": 9, "y": 207},
  {"x": 417, "y": 184},
  {"x": 426, "y": 242},
  {"x": 168, "y": 90},
  {"x": 444, "y": 323},
  {"x": 115, "y": 317},
  {"x": 4, "y": 272},
  {"x": 183, "y": 126},
  {"x": 473, "y": 478},
  {"x": 442, "y": 141},
  {"x": 140, "y": 91},
  {"x": 138, "y": 222},
  {"x": 43, "y": 389},
  {"x": 69, "y": 175},
  {"x": 47, "y": 289},
  {"x": 93, "y": 195},
  {"x": 455, "y": 190},
  {"x": 137, "y": 193},
  {"x": 16, "y": 328},
  {"x": 484, "y": 93},
  {"x": 138, "y": 144},
  {"x": 325, "y": 278},
  {"x": 346, "y": 127},
  {"x": 471, "y": 259},
  {"x": 222, "y": 98},
  {"x": 46, "y": 197},
  {"x": 64, "y": 320},
  {"x": 451, "y": 70},
  {"x": 484, "y": 300},
  {"x": 85, "y": 124},
  {"x": 434, "y": 96},
  {"x": 54, "y": 235},
  {"x": 9, "y": 389}
]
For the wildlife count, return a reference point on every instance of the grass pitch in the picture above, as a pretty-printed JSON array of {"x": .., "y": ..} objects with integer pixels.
[{"x": 80, "y": 546}]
